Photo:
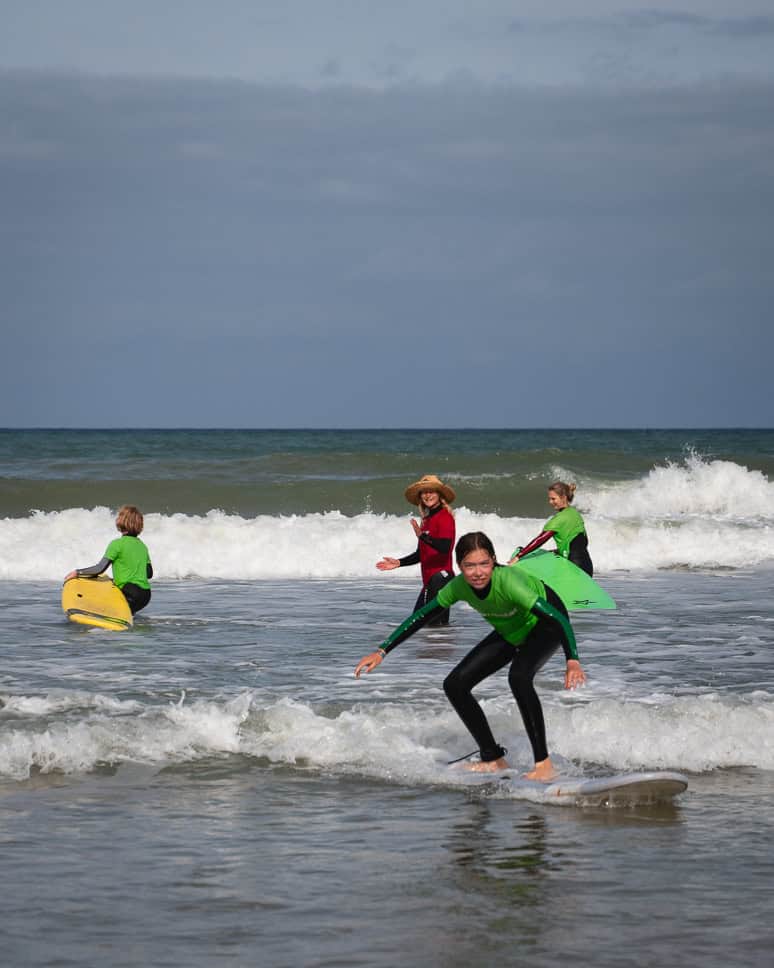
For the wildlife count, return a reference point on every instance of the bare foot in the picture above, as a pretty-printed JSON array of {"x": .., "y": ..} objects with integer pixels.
[
  {"x": 490, "y": 766},
  {"x": 544, "y": 771}
]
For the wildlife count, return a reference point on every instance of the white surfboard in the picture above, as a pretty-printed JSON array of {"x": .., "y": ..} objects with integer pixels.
[
  {"x": 624, "y": 788},
  {"x": 619, "y": 790}
]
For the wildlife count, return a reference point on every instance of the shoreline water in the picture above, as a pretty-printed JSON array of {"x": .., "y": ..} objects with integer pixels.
[{"x": 216, "y": 787}]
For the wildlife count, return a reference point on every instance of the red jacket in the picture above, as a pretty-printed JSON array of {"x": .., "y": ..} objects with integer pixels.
[{"x": 438, "y": 524}]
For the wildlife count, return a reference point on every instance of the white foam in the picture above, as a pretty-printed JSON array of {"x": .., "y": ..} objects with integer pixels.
[
  {"x": 397, "y": 740},
  {"x": 695, "y": 733},
  {"x": 153, "y": 735},
  {"x": 718, "y": 489},
  {"x": 701, "y": 514}
]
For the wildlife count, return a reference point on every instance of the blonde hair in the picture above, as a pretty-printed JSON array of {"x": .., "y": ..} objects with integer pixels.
[
  {"x": 129, "y": 520},
  {"x": 567, "y": 491}
]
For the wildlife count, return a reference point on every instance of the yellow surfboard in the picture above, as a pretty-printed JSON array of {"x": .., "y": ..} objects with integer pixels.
[{"x": 96, "y": 601}]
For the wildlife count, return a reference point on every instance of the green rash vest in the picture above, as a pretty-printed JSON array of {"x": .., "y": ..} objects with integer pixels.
[
  {"x": 507, "y": 607},
  {"x": 514, "y": 604},
  {"x": 130, "y": 560},
  {"x": 566, "y": 525}
]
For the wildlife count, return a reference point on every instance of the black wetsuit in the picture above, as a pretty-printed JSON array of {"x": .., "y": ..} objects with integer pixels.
[
  {"x": 442, "y": 548},
  {"x": 492, "y": 654},
  {"x": 489, "y": 656},
  {"x": 579, "y": 555},
  {"x": 135, "y": 596}
]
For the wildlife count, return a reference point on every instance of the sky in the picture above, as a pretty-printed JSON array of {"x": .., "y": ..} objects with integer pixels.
[{"x": 301, "y": 213}]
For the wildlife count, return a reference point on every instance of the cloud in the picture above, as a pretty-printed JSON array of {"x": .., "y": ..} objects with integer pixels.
[
  {"x": 740, "y": 27},
  {"x": 744, "y": 26},
  {"x": 270, "y": 255},
  {"x": 378, "y": 46}
]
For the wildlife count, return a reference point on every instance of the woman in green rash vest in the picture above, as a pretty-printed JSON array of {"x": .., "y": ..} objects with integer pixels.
[
  {"x": 566, "y": 527},
  {"x": 530, "y": 623},
  {"x": 130, "y": 560}
]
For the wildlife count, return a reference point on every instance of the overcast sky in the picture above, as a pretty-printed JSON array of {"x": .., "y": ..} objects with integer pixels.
[{"x": 350, "y": 214}]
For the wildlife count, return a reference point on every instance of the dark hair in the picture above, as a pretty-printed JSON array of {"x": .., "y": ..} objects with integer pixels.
[{"x": 473, "y": 541}]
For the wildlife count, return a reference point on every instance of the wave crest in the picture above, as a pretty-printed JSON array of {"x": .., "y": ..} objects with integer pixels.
[{"x": 698, "y": 514}]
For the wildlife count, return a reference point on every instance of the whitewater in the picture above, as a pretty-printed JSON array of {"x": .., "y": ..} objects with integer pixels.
[
  {"x": 696, "y": 514},
  {"x": 215, "y": 786}
]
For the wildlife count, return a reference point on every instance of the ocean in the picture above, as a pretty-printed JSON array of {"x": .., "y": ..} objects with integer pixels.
[{"x": 214, "y": 787}]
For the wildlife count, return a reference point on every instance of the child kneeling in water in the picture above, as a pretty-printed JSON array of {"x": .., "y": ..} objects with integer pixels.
[{"x": 130, "y": 560}]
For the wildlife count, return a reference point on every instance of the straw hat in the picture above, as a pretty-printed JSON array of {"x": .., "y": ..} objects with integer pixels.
[{"x": 429, "y": 483}]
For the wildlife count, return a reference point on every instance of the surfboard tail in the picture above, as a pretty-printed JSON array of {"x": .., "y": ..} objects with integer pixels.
[{"x": 575, "y": 588}]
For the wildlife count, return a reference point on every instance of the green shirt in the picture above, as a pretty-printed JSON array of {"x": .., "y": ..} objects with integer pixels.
[
  {"x": 514, "y": 603},
  {"x": 566, "y": 525},
  {"x": 507, "y": 606},
  {"x": 130, "y": 560}
]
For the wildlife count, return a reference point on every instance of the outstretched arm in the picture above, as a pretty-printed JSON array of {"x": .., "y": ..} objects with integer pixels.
[
  {"x": 404, "y": 631},
  {"x": 574, "y": 675},
  {"x": 91, "y": 572},
  {"x": 535, "y": 543},
  {"x": 387, "y": 564}
]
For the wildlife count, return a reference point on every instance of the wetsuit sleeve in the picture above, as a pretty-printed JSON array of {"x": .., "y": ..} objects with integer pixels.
[
  {"x": 536, "y": 542},
  {"x": 544, "y": 610},
  {"x": 412, "y": 559},
  {"x": 440, "y": 544},
  {"x": 412, "y": 624},
  {"x": 149, "y": 570},
  {"x": 94, "y": 570}
]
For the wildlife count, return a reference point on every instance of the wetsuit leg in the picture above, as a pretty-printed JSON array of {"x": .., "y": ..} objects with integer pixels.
[
  {"x": 489, "y": 656},
  {"x": 136, "y": 597},
  {"x": 436, "y": 583},
  {"x": 579, "y": 554},
  {"x": 430, "y": 590},
  {"x": 533, "y": 653}
]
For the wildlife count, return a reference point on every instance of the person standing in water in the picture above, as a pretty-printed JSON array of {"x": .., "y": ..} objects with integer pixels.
[
  {"x": 130, "y": 559},
  {"x": 435, "y": 533},
  {"x": 529, "y": 624},
  {"x": 566, "y": 527}
]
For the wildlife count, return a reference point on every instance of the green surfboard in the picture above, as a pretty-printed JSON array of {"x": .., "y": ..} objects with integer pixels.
[{"x": 570, "y": 583}]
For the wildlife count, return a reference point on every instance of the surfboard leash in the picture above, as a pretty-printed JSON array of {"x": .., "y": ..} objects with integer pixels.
[{"x": 467, "y": 756}]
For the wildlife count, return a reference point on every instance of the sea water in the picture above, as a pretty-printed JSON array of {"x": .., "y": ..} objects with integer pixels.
[{"x": 215, "y": 788}]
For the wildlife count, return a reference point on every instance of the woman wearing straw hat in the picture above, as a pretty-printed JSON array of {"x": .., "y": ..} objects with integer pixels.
[{"x": 435, "y": 534}]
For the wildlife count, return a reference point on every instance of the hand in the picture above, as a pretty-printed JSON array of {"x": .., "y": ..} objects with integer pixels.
[
  {"x": 515, "y": 556},
  {"x": 71, "y": 574},
  {"x": 368, "y": 664},
  {"x": 574, "y": 676},
  {"x": 387, "y": 564},
  {"x": 416, "y": 526}
]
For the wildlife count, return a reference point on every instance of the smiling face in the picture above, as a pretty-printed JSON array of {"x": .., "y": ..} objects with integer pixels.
[
  {"x": 477, "y": 567},
  {"x": 430, "y": 499},
  {"x": 557, "y": 501}
]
